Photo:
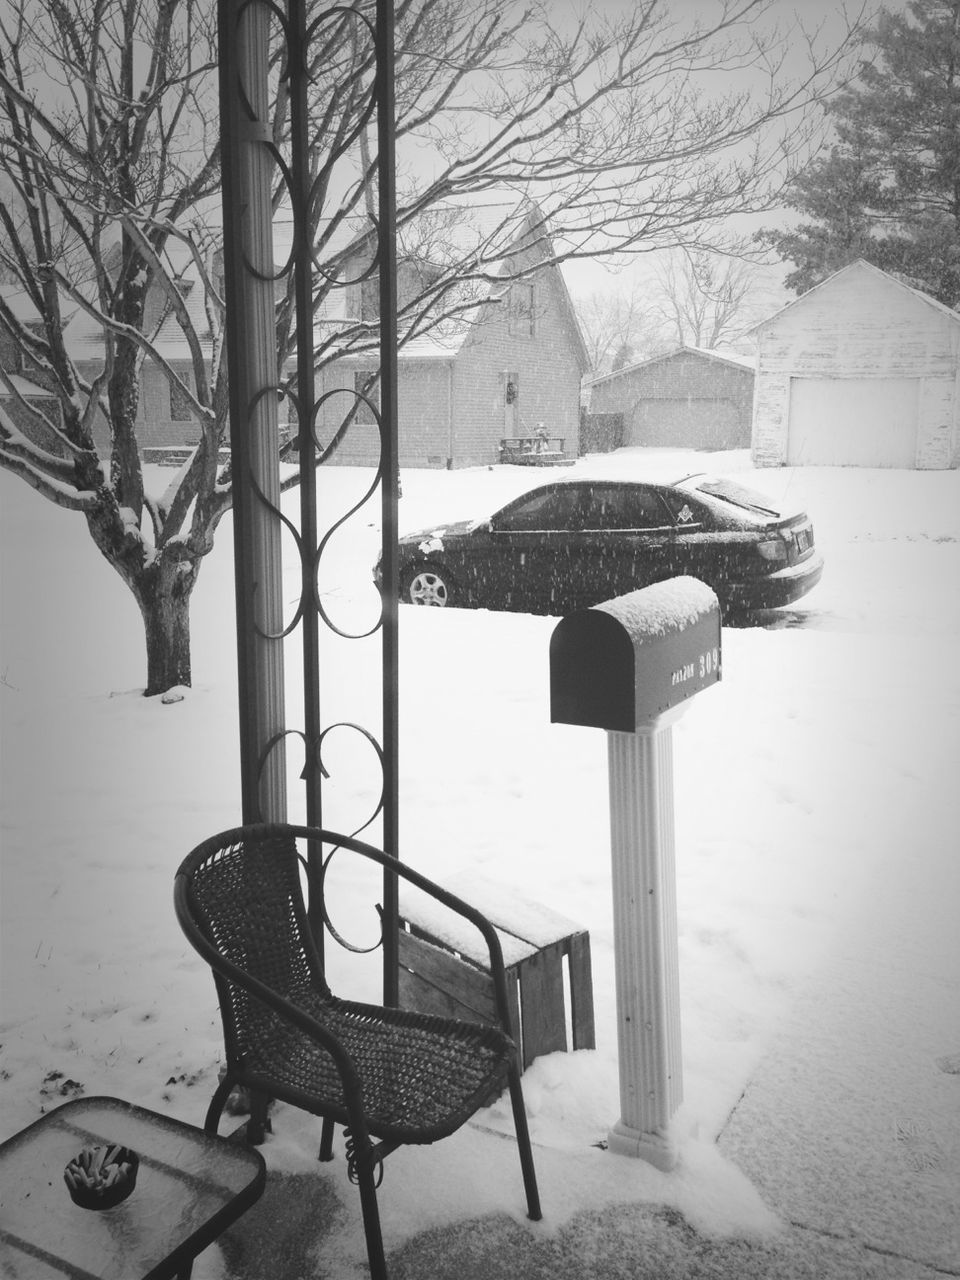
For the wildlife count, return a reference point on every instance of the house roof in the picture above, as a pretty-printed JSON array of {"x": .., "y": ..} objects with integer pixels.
[
  {"x": 22, "y": 386},
  {"x": 711, "y": 353},
  {"x": 461, "y": 229},
  {"x": 84, "y": 333},
  {"x": 19, "y": 302},
  {"x": 727, "y": 356},
  {"x": 458, "y": 229},
  {"x": 482, "y": 233},
  {"x": 861, "y": 265}
]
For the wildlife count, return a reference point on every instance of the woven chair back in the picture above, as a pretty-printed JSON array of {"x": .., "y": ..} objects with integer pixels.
[{"x": 248, "y": 901}]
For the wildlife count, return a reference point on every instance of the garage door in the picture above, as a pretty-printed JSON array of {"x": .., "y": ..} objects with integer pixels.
[
  {"x": 853, "y": 422},
  {"x": 686, "y": 423}
]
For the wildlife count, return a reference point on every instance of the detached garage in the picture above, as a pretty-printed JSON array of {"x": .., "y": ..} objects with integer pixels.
[
  {"x": 690, "y": 398},
  {"x": 862, "y": 371}
]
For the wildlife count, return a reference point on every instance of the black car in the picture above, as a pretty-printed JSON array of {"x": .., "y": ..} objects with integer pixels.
[{"x": 573, "y": 543}]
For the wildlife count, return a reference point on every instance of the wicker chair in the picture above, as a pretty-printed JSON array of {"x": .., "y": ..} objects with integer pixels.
[{"x": 390, "y": 1077}]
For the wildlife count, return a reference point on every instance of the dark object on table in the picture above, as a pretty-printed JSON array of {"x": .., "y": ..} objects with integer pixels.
[
  {"x": 101, "y": 1177},
  {"x": 389, "y": 1076}
]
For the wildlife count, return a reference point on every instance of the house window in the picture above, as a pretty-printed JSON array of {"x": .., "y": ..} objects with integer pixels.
[
  {"x": 371, "y": 390},
  {"x": 520, "y": 310},
  {"x": 180, "y": 408}
]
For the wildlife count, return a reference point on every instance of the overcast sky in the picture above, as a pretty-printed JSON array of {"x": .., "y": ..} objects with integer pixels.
[{"x": 825, "y": 20}]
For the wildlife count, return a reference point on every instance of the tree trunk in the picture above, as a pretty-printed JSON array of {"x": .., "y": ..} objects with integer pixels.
[
  {"x": 166, "y": 624},
  {"x": 162, "y": 584},
  {"x": 163, "y": 590}
]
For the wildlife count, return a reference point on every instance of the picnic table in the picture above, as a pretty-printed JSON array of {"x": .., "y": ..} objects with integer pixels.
[{"x": 537, "y": 450}]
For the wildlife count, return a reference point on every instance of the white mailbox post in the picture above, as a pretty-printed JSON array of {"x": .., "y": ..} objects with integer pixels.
[{"x": 628, "y": 666}]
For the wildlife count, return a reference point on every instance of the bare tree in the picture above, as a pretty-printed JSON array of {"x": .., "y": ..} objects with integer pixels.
[
  {"x": 613, "y": 134},
  {"x": 620, "y": 327},
  {"x": 706, "y": 300},
  {"x": 108, "y": 161}
]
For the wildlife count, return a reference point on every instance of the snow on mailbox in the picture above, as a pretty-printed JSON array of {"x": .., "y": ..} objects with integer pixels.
[
  {"x": 626, "y": 661},
  {"x": 622, "y": 666}
]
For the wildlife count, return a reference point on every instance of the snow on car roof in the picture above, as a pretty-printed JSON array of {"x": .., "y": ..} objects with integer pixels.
[{"x": 590, "y": 477}]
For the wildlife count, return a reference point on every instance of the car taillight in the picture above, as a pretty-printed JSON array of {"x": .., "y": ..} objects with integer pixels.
[{"x": 773, "y": 549}]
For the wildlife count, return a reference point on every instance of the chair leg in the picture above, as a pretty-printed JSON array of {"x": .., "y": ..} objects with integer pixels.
[
  {"x": 217, "y": 1103},
  {"x": 524, "y": 1146},
  {"x": 366, "y": 1180},
  {"x": 258, "y": 1126},
  {"x": 326, "y": 1140}
]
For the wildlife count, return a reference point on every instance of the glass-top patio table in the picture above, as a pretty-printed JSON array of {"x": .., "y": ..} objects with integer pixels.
[{"x": 190, "y": 1187}]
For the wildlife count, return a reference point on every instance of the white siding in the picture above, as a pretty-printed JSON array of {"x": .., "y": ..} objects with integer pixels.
[{"x": 860, "y": 325}]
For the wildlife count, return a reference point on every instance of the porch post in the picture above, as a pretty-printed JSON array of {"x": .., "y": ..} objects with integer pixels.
[
  {"x": 254, "y": 417},
  {"x": 389, "y": 480}
]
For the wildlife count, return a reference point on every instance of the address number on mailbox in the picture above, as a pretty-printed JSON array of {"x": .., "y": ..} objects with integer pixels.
[{"x": 700, "y": 668}]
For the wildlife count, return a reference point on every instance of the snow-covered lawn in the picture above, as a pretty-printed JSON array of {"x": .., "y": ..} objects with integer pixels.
[{"x": 827, "y": 752}]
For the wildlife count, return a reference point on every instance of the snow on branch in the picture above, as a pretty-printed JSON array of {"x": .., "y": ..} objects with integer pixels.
[
  {"x": 37, "y": 467},
  {"x": 119, "y": 329}
]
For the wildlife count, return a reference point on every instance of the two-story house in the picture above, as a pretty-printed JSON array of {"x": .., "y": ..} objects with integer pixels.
[
  {"x": 496, "y": 350},
  {"x": 507, "y": 359}
]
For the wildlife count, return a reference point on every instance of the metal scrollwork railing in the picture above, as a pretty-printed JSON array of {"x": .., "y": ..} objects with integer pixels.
[{"x": 272, "y": 67}]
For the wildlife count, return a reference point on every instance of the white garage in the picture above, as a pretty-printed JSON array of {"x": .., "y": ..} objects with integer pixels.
[
  {"x": 861, "y": 371},
  {"x": 853, "y": 422}
]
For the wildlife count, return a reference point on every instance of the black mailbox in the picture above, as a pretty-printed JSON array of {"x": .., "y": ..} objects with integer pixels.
[{"x": 628, "y": 660}]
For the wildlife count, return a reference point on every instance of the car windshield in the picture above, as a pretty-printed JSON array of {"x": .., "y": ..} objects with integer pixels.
[{"x": 738, "y": 495}]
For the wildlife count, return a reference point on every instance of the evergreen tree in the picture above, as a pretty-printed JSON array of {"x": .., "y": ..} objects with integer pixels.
[{"x": 889, "y": 188}]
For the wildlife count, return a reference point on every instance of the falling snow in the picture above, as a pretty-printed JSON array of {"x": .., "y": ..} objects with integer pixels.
[{"x": 816, "y": 818}]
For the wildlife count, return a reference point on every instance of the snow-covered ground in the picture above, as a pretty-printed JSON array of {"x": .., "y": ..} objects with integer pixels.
[{"x": 830, "y": 747}]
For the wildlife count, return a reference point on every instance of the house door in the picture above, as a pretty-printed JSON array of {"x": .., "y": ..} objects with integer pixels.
[{"x": 853, "y": 422}]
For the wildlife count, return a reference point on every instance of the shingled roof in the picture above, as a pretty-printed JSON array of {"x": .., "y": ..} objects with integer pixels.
[{"x": 482, "y": 233}]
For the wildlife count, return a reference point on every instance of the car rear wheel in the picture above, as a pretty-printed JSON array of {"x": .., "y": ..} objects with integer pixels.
[{"x": 429, "y": 585}]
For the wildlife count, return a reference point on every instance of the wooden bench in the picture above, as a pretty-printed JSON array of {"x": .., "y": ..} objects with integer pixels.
[{"x": 443, "y": 966}]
